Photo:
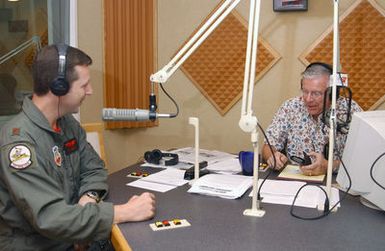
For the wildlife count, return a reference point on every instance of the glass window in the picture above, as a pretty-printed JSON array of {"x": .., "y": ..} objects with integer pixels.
[{"x": 25, "y": 25}]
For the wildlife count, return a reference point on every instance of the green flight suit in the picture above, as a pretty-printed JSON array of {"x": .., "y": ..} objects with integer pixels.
[{"x": 43, "y": 174}]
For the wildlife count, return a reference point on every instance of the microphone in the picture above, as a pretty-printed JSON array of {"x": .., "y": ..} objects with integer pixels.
[{"x": 113, "y": 114}]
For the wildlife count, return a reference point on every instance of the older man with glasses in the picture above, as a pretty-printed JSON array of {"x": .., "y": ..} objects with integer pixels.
[{"x": 297, "y": 129}]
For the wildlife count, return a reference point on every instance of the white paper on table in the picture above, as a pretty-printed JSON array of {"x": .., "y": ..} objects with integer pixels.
[
  {"x": 151, "y": 186},
  {"x": 282, "y": 200},
  {"x": 211, "y": 156},
  {"x": 308, "y": 197},
  {"x": 283, "y": 192},
  {"x": 280, "y": 187},
  {"x": 179, "y": 165},
  {"x": 174, "y": 177},
  {"x": 221, "y": 185},
  {"x": 230, "y": 166}
]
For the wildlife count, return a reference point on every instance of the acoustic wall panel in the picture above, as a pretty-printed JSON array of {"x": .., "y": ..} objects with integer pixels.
[
  {"x": 362, "y": 51},
  {"x": 217, "y": 66}
]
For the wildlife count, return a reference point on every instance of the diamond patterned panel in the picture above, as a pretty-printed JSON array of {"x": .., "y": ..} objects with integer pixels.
[
  {"x": 217, "y": 66},
  {"x": 362, "y": 53}
]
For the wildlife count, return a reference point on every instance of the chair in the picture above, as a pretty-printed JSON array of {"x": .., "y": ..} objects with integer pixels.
[{"x": 95, "y": 138}]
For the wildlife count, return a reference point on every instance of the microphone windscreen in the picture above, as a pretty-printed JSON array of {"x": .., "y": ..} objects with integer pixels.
[{"x": 125, "y": 114}]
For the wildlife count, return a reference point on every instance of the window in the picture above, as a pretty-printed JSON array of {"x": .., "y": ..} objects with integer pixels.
[{"x": 24, "y": 25}]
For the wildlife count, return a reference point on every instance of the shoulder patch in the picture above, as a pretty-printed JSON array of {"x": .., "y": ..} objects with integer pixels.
[{"x": 20, "y": 157}]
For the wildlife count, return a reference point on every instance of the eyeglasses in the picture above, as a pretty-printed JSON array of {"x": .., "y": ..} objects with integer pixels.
[{"x": 315, "y": 94}]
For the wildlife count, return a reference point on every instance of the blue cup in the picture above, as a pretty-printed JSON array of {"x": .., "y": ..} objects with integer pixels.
[{"x": 246, "y": 159}]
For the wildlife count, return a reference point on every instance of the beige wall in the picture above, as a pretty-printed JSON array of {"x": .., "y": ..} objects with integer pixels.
[{"x": 288, "y": 33}]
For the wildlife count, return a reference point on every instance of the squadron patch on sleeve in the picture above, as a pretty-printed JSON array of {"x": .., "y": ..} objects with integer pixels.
[{"x": 20, "y": 157}]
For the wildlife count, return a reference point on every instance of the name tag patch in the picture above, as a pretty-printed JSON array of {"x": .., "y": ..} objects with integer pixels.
[{"x": 71, "y": 146}]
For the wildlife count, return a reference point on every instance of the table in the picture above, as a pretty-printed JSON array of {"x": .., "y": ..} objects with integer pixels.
[{"x": 218, "y": 224}]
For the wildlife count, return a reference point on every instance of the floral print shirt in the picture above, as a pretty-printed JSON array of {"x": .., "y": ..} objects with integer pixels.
[{"x": 294, "y": 131}]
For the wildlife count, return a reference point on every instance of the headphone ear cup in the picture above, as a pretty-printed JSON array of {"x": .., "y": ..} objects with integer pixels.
[
  {"x": 156, "y": 156},
  {"x": 59, "y": 86},
  {"x": 147, "y": 156},
  {"x": 153, "y": 156}
]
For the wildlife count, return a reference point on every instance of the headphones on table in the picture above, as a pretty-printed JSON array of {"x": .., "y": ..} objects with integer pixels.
[
  {"x": 156, "y": 155},
  {"x": 60, "y": 86}
]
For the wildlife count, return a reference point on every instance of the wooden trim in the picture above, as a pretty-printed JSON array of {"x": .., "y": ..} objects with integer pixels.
[
  {"x": 118, "y": 240},
  {"x": 377, "y": 104}
]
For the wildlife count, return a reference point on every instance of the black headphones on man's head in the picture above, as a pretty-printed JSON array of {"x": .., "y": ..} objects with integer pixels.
[
  {"x": 156, "y": 155},
  {"x": 60, "y": 86}
]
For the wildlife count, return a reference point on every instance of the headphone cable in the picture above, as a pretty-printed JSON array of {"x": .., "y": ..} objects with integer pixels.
[
  {"x": 327, "y": 211},
  {"x": 271, "y": 169}
]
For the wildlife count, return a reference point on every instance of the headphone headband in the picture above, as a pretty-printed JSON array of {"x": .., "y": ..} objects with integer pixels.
[
  {"x": 60, "y": 85},
  {"x": 156, "y": 155},
  {"x": 62, "y": 53}
]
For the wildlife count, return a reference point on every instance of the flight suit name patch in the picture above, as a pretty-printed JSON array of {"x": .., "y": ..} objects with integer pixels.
[
  {"x": 70, "y": 146},
  {"x": 20, "y": 157}
]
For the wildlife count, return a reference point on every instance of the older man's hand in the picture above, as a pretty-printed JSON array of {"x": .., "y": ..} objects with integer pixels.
[
  {"x": 317, "y": 167},
  {"x": 280, "y": 159}
]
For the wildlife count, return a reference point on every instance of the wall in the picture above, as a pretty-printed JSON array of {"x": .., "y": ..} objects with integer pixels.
[{"x": 288, "y": 33}]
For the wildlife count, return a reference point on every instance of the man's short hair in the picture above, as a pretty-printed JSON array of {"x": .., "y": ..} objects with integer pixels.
[
  {"x": 46, "y": 63},
  {"x": 317, "y": 69}
]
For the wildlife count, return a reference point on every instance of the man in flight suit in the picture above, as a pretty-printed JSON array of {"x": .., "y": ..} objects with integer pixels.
[{"x": 52, "y": 182}]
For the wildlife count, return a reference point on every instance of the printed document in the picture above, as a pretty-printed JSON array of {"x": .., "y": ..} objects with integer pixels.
[
  {"x": 283, "y": 192},
  {"x": 222, "y": 185},
  {"x": 211, "y": 156},
  {"x": 162, "y": 181}
]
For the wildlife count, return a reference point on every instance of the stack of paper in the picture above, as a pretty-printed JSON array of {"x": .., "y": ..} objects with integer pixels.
[
  {"x": 220, "y": 185},
  {"x": 283, "y": 192},
  {"x": 211, "y": 156},
  {"x": 227, "y": 166},
  {"x": 162, "y": 181},
  {"x": 292, "y": 172}
]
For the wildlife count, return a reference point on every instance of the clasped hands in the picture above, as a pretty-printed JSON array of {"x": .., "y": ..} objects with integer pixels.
[{"x": 317, "y": 167}]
